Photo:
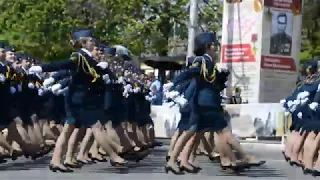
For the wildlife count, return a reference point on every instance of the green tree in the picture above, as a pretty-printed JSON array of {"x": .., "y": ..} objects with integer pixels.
[
  {"x": 39, "y": 27},
  {"x": 43, "y": 28},
  {"x": 311, "y": 30}
]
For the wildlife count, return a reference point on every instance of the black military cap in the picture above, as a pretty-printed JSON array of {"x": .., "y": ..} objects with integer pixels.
[
  {"x": 9, "y": 49},
  {"x": 87, "y": 33}
]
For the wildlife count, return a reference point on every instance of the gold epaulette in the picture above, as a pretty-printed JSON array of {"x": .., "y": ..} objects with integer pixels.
[
  {"x": 204, "y": 71},
  {"x": 8, "y": 72},
  {"x": 83, "y": 63},
  {"x": 38, "y": 84}
]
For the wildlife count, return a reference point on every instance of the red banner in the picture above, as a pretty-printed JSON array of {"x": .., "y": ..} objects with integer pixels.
[
  {"x": 294, "y": 5},
  {"x": 237, "y": 53},
  {"x": 278, "y": 63}
]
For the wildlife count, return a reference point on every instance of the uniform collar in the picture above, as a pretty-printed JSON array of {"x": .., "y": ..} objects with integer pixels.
[
  {"x": 208, "y": 56},
  {"x": 24, "y": 70},
  {"x": 86, "y": 51}
]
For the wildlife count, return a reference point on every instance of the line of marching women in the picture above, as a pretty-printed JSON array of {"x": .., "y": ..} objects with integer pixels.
[
  {"x": 302, "y": 145},
  {"x": 95, "y": 100},
  {"x": 197, "y": 92}
]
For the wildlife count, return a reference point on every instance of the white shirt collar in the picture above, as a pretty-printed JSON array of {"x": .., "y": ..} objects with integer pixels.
[
  {"x": 86, "y": 51},
  {"x": 1, "y": 63},
  {"x": 208, "y": 57},
  {"x": 25, "y": 70}
]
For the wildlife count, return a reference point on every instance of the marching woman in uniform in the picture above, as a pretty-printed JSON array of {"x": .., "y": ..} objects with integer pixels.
[
  {"x": 84, "y": 99},
  {"x": 311, "y": 127},
  {"x": 5, "y": 120},
  {"x": 206, "y": 113},
  {"x": 204, "y": 100},
  {"x": 294, "y": 106}
]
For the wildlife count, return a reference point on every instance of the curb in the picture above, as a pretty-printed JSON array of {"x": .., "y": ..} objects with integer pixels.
[{"x": 271, "y": 143}]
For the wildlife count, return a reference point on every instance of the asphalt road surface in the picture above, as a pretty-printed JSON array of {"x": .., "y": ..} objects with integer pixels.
[{"x": 151, "y": 168}]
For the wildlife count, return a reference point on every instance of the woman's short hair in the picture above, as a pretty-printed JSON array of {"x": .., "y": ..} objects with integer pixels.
[
  {"x": 79, "y": 43},
  {"x": 203, "y": 41}
]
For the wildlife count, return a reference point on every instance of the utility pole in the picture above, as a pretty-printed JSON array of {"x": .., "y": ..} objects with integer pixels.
[{"x": 193, "y": 27}]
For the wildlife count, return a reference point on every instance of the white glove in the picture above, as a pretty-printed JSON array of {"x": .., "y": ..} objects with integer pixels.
[
  {"x": 41, "y": 92},
  {"x": 224, "y": 69},
  {"x": 296, "y": 102},
  {"x": 12, "y": 90},
  {"x": 293, "y": 108},
  {"x": 147, "y": 98},
  {"x": 313, "y": 106},
  {"x": 282, "y": 101},
  {"x": 102, "y": 65},
  {"x": 167, "y": 86},
  {"x": 48, "y": 82},
  {"x": 290, "y": 103},
  {"x": 299, "y": 115},
  {"x": 31, "y": 85},
  {"x": 2, "y": 78},
  {"x": 153, "y": 97},
  {"x": 62, "y": 91},
  {"x": 55, "y": 88},
  {"x": 304, "y": 101},
  {"x": 303, "y": 95},
  {"x": 35, "y": 69},
  {"x": 19, "y": 88},
  {"x": 120, "y": 80},
  {"x": 286, "y": 113},
  {"x": 136, "y": 90},
  {"x": 125, "y": 94},
  {"x": 127, "y": 87},
  {"x": 173, "y": 94},
  {"x": 106, "y": 77},
  {"x": 181, "y": 101}
]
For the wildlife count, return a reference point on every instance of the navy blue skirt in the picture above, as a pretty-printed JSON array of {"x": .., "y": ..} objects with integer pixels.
[
  {"x": 83, "y": 110},
  {"x": 184, "y": 119}
]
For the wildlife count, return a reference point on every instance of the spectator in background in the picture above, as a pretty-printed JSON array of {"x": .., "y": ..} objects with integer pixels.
[
  {"x": 154, "y": 82},
  {"x": 157, "y": 96},
  {"x": 236, "y": 98}
]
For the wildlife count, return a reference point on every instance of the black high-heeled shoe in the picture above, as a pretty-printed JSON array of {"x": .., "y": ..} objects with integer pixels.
[
  {"x": 214, "y": 159},
  {"x": 167, "y": 158},
  {"x": 235, "y": 168},
  {"x": 315, "y": 173},
  {"x": 34, "y": 156},
  {"x": 119, "y": 164},
  {"x": 81, "y": 162},
  {"x": 196, "y": 167},
  {"x": 73, "y": 166},
  {"x": 307, "y": 171},
  {"x": 54, "y": 168},
  {"x": 285, "y": 157},
  {"x": 2, "y": 161},
  {"x": 99, "y": 160},
  {"x": 294, "y": 163},
  {"x": 256, "y": 164},
  {"x": 91, "y": 161},
  {"x": 14, "y": 155},
  {"x": 191, "y": 171},
  {"x": 170, "y": 169}
]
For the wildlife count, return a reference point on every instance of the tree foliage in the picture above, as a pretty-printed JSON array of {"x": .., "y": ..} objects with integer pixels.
[
  {"x": 43, "y": 28},
  {"x": 311, "y": 30}
]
